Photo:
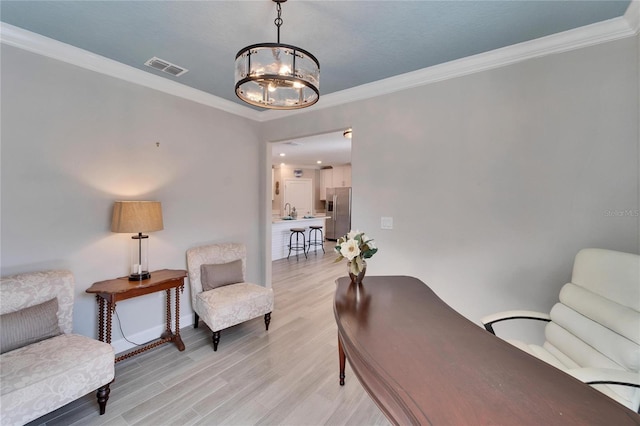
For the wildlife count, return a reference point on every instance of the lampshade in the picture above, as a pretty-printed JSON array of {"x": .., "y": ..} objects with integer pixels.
[
  {"x": 277, "y": 76},
  {"x": 136, "y": 216}
]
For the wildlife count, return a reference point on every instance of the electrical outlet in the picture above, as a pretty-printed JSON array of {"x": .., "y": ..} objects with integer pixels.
[{"x": 386, "y": 223}]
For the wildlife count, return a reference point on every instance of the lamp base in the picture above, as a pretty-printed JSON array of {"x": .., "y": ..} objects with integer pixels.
[{"x": 139, "y": 277}]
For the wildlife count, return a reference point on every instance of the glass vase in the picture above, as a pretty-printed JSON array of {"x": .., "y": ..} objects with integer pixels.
[{"x": 356, "y": 274}]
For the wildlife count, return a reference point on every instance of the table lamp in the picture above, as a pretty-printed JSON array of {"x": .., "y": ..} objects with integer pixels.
[{"x": 137, "y": 216}]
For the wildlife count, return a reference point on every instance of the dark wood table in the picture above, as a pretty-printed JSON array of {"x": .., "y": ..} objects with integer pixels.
[
  {"x": 424, "y": 363},
  {"x": 109, "y": 292}
]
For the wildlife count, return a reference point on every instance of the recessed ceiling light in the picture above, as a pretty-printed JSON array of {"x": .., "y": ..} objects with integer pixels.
[
  {"x": 282, "y": 164},
  {"x": 319, "y": 161},
  {"x": 282, "y": 154}
]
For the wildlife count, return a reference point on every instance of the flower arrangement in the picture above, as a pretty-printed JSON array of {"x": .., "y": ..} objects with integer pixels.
[{"x": 355, "y": 247}]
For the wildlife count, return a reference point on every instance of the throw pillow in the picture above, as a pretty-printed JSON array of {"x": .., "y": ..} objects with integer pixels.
[
  {"x": 218, "y": 275},
  {"x": 29, "y": 325}
]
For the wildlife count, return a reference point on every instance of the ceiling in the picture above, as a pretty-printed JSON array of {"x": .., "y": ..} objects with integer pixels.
[
  {"x": 356, "y": 42},
  {"x": 332, "y": 149}
]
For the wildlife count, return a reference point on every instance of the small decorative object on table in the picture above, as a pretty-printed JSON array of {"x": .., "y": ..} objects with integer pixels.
[{"x": 355, "y": 247}]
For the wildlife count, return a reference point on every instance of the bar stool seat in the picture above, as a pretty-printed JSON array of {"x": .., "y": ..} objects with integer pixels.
[
  {"x": 313, "y": 238},
  {"x": 297, "y": 247}
]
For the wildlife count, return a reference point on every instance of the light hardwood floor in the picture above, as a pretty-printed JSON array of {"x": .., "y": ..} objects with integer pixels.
[{"x": 286, "y": 376}]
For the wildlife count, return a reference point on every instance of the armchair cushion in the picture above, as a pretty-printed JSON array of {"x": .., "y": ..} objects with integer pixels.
[
  {"x": 29, "y": 325},
  {"x": 43, "y": 376},
  {"x": 218, "y": 275},
  {"x": 232, "y": 304}
]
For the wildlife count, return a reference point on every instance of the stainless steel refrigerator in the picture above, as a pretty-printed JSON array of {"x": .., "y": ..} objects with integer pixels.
[{"x": 339, "y": 209}]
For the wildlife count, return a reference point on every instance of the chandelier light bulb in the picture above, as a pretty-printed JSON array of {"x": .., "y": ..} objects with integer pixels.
[{"x": 284, "y": 70}]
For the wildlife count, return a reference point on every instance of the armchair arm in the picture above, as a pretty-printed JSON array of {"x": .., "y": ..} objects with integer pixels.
[
  {"x": 605, "y": 376},
  {"x": 489, "y": 320}
]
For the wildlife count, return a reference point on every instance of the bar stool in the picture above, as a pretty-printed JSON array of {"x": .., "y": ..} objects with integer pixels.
[
  {"x": 297, "y": 246},
  {"x": 313, "y": 238}
]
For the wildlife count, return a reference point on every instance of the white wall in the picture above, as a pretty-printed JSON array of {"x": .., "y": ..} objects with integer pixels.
[
  {"x": 495, "y": 180},
  {"x": 74, "y": 141}
]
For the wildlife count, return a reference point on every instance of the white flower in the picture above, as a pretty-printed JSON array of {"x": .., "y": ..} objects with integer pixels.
[
  {"x": 350, "y": 249},
  {"x": 356, "y": 246}
]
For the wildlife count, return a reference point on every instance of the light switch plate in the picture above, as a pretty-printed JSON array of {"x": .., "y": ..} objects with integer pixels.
[{"x": 386, "y": 222}]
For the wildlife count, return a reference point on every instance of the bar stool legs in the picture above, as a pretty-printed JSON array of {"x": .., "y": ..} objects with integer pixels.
[
  {"x": 297, "y": 247},
  {"x": 313, "y": 238}
]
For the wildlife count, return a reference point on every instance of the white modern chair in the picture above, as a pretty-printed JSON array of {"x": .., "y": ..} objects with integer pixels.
[
  {"x": 230, "y": 300},
  {"x": 593, "y": 332}
]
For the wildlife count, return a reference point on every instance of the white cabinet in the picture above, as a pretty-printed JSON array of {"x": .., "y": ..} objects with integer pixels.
[
  {"x": 337, "y": 177},
  {"x": 326, "y": 181},
  {"x": 341, "y": 176}
]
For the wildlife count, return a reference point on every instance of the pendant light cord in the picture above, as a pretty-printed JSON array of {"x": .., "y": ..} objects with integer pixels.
[{"x": 278, "y": 20}]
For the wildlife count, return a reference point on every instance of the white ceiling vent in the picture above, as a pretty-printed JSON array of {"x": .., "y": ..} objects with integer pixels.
[{"x": 165, "y": 66}]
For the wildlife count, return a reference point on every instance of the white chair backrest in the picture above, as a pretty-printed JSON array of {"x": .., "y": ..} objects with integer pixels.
[
  {"x": 32, "y": 288},
  {"x": 210, "y": 255},
  {"x": 597, "y": 321},
  {"x": 611, "y": 274}
]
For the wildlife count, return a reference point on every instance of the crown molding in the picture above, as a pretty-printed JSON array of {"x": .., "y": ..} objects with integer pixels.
[
  {"x": 45, "y": 46},
  {"x": 589, "y": 35},
  {"x": 632, "y": 16},
  {"x": 601, "y": 32}
]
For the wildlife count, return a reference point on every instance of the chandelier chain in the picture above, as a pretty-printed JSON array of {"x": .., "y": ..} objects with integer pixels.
[{"x": 278, "y": 21}]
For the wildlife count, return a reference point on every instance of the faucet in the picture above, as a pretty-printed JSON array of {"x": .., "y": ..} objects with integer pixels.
[{"x": 285, "y": 209}]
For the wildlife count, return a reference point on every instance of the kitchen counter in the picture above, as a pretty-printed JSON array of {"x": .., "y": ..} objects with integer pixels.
[
  {"x": 300, "y": 219},
  {"x": 280, "y": 232}
]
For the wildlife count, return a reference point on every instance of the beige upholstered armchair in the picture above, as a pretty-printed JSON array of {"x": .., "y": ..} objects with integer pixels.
[
  {"x": 44, "y": 365},
  {"x": 219, "y": 293},
  {"x": 593, "y": 332}
]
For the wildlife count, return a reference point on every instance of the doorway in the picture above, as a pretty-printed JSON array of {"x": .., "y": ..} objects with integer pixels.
[
  {"x": 300, "y": 158},
  {"x": 298, "y": 194}
]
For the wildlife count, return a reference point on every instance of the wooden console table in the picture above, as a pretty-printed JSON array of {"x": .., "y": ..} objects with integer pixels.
[
  {"x": 109, "y": 292},
  {"x": 423, "y": 363}
]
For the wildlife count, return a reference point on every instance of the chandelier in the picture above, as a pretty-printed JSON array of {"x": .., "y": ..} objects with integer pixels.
[{"x": 275, "y": 75}]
